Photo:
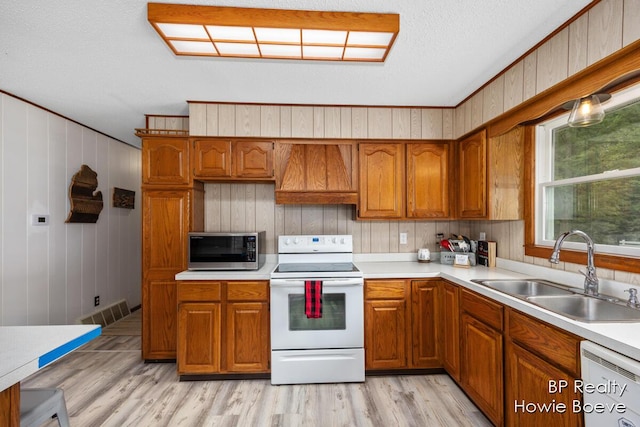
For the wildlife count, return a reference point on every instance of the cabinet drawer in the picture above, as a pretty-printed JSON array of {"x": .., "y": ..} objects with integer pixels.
[
  {"x": 199, "y": 291},
  {"x": 248, "y": 291},
  {"x": 385, "y": 289},
  {"x": 482, "y": 309},
  {"x": 557, "y": 347}
]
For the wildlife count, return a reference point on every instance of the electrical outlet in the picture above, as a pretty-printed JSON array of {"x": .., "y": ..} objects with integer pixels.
[
  {"x": 96, "y": 300},
  {"x": 403, "y": 238}
]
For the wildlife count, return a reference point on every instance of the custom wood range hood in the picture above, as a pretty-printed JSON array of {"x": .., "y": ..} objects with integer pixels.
[{"x": 311, "y": 173}]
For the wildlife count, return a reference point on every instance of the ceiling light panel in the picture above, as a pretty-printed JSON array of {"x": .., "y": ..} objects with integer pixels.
[
  {"x": 274, "y": 33},
  {"x": 228, "y": 33},
  {"x": 324, "y": 37},
  {"x": 184, "y": 47},
  {"x": 278, "y": 35}
]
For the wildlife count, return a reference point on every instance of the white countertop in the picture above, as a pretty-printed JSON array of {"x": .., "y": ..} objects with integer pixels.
[
  {"x": 623, "y": 337},
  {"x": 264, "y": 273},
  {"x": 26, "y": 349}
]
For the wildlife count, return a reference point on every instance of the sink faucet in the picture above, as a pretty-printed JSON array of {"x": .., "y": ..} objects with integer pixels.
[{"x": 591, "y": 280}]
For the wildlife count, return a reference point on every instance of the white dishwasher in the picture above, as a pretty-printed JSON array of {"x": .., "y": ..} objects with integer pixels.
[{"x": 611, "y": 387}]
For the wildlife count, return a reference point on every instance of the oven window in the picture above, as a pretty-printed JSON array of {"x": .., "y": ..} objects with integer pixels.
[{"x": 333, "y": 314}]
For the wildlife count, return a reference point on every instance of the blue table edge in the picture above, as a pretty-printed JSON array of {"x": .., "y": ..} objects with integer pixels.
[{"x": 58, "y": 352}]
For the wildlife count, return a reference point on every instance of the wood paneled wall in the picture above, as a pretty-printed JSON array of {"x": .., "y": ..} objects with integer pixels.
[
  {"x": 50, "y": 274},
  {"x": 605, "y": 28},
  {"x": 286, "y": 121},
  {"x": 248, "y": 207}
]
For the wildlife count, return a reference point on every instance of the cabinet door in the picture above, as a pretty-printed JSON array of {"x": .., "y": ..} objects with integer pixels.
[
  {"x": 247, "y": 337},
  {"x": 472, "y": 179},
  {"x": 451, "y": 330},
  {"x": 165, "y": 161},
  {"x": 199, "y": 335},
  {"x": 385, "y": 341},
  {"x": 482, "y": 367},
  {"x": 381, "y": 181},
  {"x": 165, "y": 225},
  {"x": 425, "y": 324},
  {"x": 212, "y": 158},
  {"x": 158, "y": 319},
  {"x": 164, "y": 229},
  {"x": 428, "y": 180},
  {"x": 253, "y": 159},
  {"x": 527, "y": 381}
]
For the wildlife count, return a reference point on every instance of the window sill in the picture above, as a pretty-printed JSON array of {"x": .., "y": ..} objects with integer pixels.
[{"x": 611, "y": 262}]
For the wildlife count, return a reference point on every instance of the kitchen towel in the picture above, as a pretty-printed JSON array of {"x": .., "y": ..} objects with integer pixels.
[{"x": 313, "y": 299}]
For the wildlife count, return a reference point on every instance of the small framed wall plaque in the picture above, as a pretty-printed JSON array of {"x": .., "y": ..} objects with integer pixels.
[{"x": 122, "y": 198}]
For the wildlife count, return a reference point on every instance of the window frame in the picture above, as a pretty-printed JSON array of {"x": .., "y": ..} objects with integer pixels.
[{"x": 542, "y": 135}]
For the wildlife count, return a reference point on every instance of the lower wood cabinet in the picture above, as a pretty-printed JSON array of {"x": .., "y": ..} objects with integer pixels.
[
  {"x": 426, "y": 342},
  {"x": 402, "y": 319},
  {"x": 199, "y": 337},
  {"x": 223, "y": 327},
  {"x": 451, "y": 329},
  {"x": 482, "y": 353},
  {"x": 536, "y": 354},
  {"x": 385, "y": 320}
]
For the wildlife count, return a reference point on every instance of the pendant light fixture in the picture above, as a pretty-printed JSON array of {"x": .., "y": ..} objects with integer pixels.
[{"x": 587, "y": 111}]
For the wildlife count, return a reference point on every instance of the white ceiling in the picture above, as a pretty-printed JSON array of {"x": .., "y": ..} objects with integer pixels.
[{"x": 101, "y": 63}]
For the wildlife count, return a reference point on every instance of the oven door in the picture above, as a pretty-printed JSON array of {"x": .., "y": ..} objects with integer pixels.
[{"x": 341, "y": 324}]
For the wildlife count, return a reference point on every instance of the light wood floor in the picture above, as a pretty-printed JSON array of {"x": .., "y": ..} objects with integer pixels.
[{"x": 107, "y": 384}]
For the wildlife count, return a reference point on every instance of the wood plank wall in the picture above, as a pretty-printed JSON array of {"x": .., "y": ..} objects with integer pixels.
[
  {"x": 605, "y": 28},
  {"x": 50, "y": 274}
]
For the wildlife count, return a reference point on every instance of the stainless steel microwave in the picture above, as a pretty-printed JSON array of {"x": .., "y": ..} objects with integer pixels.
[{"x": 226, "y": 251}]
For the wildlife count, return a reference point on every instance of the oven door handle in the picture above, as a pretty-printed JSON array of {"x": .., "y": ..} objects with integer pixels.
[{"x": 333, "y": 283}]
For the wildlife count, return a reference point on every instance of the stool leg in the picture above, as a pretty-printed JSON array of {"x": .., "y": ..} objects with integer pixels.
[{"x": 63, "y": 416}]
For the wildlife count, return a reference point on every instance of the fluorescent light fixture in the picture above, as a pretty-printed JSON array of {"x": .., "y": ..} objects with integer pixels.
[{"x": 274, "y": 33}]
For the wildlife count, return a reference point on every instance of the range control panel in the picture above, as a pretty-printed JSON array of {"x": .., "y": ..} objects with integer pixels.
[{"x": 315, "y": 243}]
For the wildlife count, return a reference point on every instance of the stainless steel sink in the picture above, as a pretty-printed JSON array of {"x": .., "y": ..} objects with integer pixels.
[
  {"x": 526, "y": 287},
  {"x": 586, "y": 308},
  {"x": 569, "y": 302}
]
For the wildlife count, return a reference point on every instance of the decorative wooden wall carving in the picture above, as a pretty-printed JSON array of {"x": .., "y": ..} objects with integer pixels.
[
  {"x": 123, "y": 198},
  {"x": 85, "y": 204}
]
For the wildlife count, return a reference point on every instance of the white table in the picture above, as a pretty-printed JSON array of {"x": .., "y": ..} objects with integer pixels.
[{"x": 26, "y": 349}]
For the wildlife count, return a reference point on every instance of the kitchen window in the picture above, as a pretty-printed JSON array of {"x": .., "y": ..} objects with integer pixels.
[{"x": 589, "y": 178}]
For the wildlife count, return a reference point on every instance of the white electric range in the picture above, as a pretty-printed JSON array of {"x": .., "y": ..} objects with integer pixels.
[{"x": 325, "y": 349}]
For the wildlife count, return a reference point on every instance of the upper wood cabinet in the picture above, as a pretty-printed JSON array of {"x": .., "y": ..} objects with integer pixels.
[
  {"x": 165, "y": 161},
  {"x": 317, "y": 173},
  {"x": 253, "y": 159},
  {"x": 386, "y": 167},
  {"x": 211, "y": 158},
  {"x": 428, "y": 180},
  {"x": 505, "y": 182},
  {"x": 381, "y": 180},
  {"x": 214, "y": 158},
  {"x": 491, "y": 178},
  {"x": 472, "y": 176}
]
